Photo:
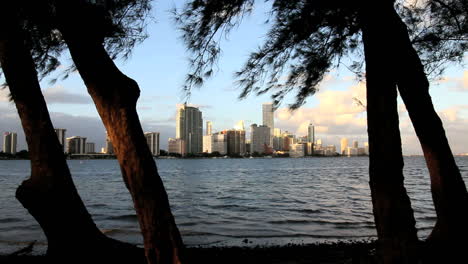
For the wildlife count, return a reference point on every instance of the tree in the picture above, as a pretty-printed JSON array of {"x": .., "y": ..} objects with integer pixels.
[
  {"x": 307, "y": 37},
  {"x": 49, "y": 194},
  {"x": 111, "y": 29},
  {"x": 108, "y": 25}
]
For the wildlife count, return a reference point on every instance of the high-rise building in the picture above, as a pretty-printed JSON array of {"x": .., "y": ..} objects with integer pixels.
[
  {"x": 152, "y": 139},
  {"x": 109, "y": 145},
  {"x": 259, "y": 138},
  {"x": 176, "y": 145},
  {"x": 235, "y": 141},
  {"x": 311, "y": 133},
  {"x": 189, "y": 128},
  {"x": 9, "y": 142},
  {"x": 216, "y": 142},
  {"x": 209, "y": 128},
  {"x": 61, "y": 136},
  {"x": 90, "y": 147},
  {"x": 311, "y": 136},
  {"x": 366, "y": 148},
  {"x": 355, "y": 144},
  {"x": 297, "y": 150},
  {"x": 268, "y": 119},
  {"x": 240, "y": 125},
  {"x": 318, "y": 144},
  {"x": 344, "y": 146},
  {"x": 76, "y": 145}
]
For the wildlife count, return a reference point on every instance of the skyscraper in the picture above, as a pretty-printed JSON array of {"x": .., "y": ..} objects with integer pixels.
[
  {"x": 9, "y": 142},
  {"x": 90, "y": 147},
  {"x": 76, "y": 145},
  {"x": 235, "y": 141},
  {"x": 259, "y": 138},
  {"x": 344, "y": 146},
  {"x": 189, "y": 127},
  {"x": 209, "y": 128},
  {"x": 152, "y": 139},
  {"x": 311, "y": 133},
  {"x": 268, "y": 118},
  {"x": 61, "y": 136}
]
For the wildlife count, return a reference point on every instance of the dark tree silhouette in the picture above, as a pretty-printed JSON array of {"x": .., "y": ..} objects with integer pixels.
[
  {"x": 111, "y": 29},
  {"x": 308, "y": 38},
  {"x": 49, "y": 194}
]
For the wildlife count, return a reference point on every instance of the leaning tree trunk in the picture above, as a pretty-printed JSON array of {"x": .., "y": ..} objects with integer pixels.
[
  {"x": 49, "y": 194},
  {"x": 115, "y": 96},
  {"x": 394, "y": 219},
  {"x": 448, "y": 188}
]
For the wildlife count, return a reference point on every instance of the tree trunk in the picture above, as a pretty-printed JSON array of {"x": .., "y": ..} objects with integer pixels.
[
  {"x": 448, "y": 188},
  {"x": 49, "y": 194},
  {"x": 393, "y": 214},
  {"x": 115, "y": 96}
]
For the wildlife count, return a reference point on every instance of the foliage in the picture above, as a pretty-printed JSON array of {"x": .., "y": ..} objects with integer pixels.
[
  {"x": 121, "y": 23},
  {"x": 309, "y": 38}
]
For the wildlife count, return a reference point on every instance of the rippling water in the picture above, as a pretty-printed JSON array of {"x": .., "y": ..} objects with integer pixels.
[{"x": 224, "y": 201}]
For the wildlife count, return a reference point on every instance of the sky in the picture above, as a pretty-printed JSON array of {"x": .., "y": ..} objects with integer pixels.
[{"x": 159, "y": 65}]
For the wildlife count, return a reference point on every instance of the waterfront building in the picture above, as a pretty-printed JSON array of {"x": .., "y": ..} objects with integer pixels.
[
  {"x": 268, "y": 119},
  {"x": 90, "y": 148},
  {"x": 109, "y": 145},
  {"x": 355, "y": 144},
  {"x": 209, "y": 128},
  {"x": 76, "y": 145},
  {"x": 219, "y": 143},
  {"x": 235, "y": 141},
  {"x": 189, "y": 128},
  {"x": 152, "y": 139},
  {"x": 207, "y": 143},
  {"x": 344, "y": 146},
  {"x": 240, "y": 125},
  {"x": 288, "y": 140},
  {"x": 176, "y": 145},
  {"x": 297, "y": 150},
  {"x": 318, "y": 144},
  {"x": 259, "y": 138},
  {"x": 330, "y": 150},
  {"x": 366, "y": 148},
  {"x": 9, "y": 142},
  {"x": 61, "y": 136}
]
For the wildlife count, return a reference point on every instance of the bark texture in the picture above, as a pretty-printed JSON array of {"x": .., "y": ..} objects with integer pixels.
[
  {"x": 394, "y": 219},
  {"x": 115, "y": 96},
  {"x": 49, "y": 194},
  {"x": 448, "y": 188}
]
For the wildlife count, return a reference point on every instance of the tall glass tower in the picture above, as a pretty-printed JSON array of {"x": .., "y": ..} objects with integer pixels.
[
  {"x": 268, "y": 118},
  {"x": 189, "y": 127}
]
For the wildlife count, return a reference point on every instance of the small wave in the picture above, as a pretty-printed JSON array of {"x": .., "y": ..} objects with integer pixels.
[
  {"x": 305, "y": 211},
  {"x": 289, "y": 221},
  {"x": 10, "y": 220}
]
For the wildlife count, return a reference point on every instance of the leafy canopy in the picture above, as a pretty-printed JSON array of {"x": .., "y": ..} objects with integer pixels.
[{"x": 309, "y": 38}]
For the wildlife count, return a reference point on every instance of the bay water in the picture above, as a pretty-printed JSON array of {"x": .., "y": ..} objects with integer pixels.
[{"x": 230, "y": 202}]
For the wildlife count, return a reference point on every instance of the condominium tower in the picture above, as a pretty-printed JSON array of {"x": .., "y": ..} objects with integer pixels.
[
  {"x": 9, "y": 142},
  {"x": 189, "y": 127},
  {"x": 61, "y": 136},
  {"x": 259, "y": 138},
  {"x": 76, "y": 145},
  {"x": 268, "y": 118},
  {"x": 152, "y": 139}
]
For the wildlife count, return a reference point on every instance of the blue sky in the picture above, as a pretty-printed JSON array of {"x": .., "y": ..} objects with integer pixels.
[{"x": 159, "y": 66}]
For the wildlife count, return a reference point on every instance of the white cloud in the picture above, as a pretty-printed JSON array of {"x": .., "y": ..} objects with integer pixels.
[
  {"x": 59, "y": 95},
  {"x": 337, "y": 113},
  {"x": 459, "y": 84}
]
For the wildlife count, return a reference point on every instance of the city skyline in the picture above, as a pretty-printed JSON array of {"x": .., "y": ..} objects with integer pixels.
[{"x": 159, "y": 67}]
